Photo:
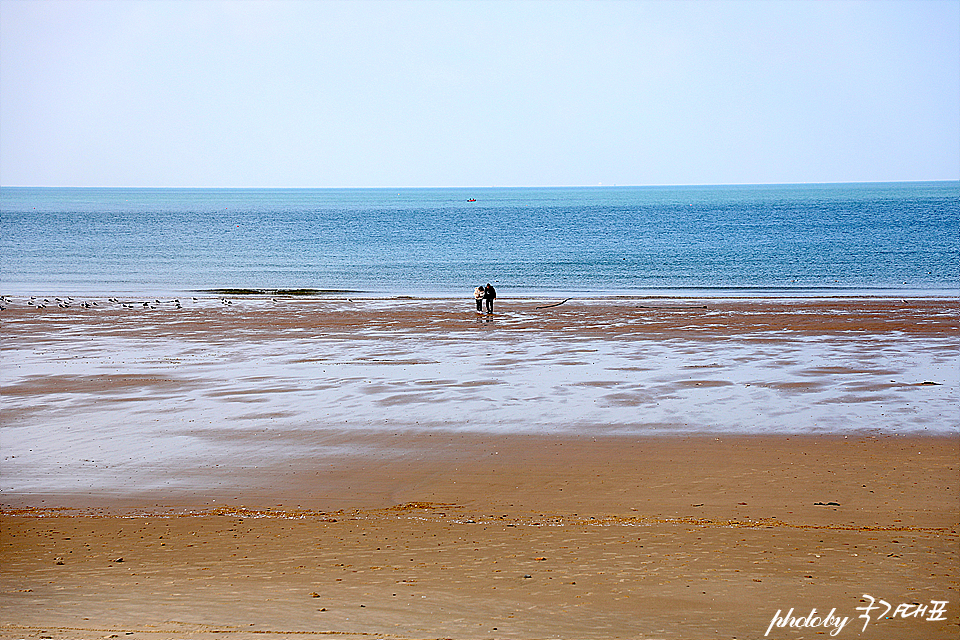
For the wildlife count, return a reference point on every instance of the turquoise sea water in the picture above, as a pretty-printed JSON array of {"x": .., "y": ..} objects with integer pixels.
[{"x": 898, "y": 238}]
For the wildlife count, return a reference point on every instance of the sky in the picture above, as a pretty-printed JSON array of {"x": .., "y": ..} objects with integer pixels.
[{"x": 207, "y": 93}]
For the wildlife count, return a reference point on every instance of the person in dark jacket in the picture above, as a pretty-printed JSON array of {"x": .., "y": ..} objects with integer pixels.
[{"x": 489, "y": 295}]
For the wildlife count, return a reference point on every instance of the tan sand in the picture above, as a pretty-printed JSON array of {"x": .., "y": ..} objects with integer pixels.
[
  {"x": 529, "y": 538},
  {"x": 483, "y": 535}
]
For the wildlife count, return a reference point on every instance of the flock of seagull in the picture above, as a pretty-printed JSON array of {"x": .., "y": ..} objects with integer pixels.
[{"x": 67, "y": 302}]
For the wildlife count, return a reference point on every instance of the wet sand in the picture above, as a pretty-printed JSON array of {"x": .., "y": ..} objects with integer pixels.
[{"x": 461, "y": 529}]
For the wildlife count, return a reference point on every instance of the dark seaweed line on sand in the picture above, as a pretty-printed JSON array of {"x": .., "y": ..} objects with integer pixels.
[{"x": 278, "y": 292}]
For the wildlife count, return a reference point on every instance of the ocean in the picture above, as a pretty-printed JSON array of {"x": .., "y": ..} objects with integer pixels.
[{"x": 812, "y": 239}]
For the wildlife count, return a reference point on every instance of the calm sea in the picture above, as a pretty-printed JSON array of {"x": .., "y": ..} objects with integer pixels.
[{"x": 898, "y": 238}]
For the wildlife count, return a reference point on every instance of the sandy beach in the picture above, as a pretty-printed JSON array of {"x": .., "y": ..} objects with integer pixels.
[{"x": 618, "y": 468}]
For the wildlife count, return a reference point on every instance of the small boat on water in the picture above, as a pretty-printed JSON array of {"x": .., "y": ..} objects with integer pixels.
[{"x": 472, "y": 200}]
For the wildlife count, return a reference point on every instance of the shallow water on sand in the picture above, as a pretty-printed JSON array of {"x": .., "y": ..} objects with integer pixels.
[{"x": 139, "y": 405}]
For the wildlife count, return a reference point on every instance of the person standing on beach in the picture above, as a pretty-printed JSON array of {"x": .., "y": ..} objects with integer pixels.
[
  {"x": 478, "y": 294},
  {"x": 489, "y": 294}
]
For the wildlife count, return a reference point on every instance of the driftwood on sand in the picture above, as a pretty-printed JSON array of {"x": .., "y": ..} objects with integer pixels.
[{"x": 556, "y": 304}]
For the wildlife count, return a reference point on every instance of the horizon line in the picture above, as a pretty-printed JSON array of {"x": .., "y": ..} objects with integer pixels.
[{"x": 493, "y": 186}]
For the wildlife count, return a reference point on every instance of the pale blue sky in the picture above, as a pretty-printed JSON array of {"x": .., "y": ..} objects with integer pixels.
[{"x": 207, "y": 93}]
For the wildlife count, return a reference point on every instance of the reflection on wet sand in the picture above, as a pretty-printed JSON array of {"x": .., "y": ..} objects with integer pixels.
[{"x": 154, "y": 390}]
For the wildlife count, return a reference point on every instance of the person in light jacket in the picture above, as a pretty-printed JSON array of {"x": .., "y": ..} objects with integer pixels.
[{"x": 478, "y": 293}]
